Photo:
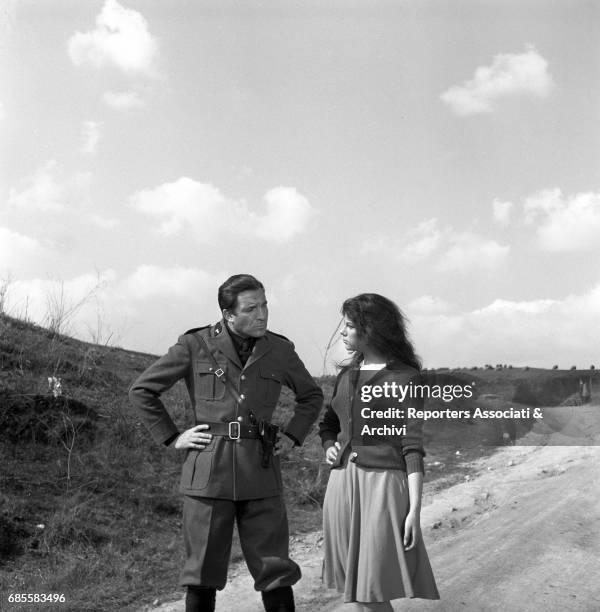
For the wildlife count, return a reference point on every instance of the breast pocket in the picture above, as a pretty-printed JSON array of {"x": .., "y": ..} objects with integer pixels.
[
  {"x": 270, "y": 379},
  {"x": 208, "y": 386}
]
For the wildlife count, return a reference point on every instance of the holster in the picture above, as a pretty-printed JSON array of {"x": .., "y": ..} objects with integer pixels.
[
  {"x": 267, "y": 433},
  {"x": 268, "y": 437}
]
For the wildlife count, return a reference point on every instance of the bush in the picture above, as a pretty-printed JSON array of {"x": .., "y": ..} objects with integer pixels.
[
  {"x": 45, "y": 419},
  {"x": 12, "y": 533},
  {"x": 74, "y": 523}
]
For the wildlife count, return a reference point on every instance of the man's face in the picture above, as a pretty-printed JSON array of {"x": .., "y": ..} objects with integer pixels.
[{"x": 249, "y": 317}]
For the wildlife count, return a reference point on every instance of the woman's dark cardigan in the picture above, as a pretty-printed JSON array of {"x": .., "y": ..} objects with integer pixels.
[{"x": 343, "y": 422}]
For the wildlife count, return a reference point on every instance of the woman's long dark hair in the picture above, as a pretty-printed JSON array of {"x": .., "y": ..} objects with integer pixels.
[{"x": 383, "y": 325}]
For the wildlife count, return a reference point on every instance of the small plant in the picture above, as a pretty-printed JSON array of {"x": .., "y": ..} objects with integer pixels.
[
  {"x": 5, "y": 283},
  {"x": 55, "y": 386},
  {"x": 60, "y": 310}
]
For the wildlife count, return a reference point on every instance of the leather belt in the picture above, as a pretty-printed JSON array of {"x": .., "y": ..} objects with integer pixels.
[{"x": 232, "y": 430}]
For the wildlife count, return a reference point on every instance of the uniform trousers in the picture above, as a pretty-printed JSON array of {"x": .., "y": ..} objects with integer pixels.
[{"x": 264, "y": 538}]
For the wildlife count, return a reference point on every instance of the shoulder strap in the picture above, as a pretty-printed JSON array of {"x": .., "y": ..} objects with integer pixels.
[
  {"x": 218, "y": 371},
  {"x": 195, "y": 329},
  {"x": 281, "y": 336}
]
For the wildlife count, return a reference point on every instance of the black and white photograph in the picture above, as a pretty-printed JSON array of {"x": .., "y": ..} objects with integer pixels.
[{"x": 299, "y": 305}]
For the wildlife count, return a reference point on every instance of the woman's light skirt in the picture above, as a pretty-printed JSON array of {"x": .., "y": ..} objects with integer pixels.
[{"x": 363, "y": 528}]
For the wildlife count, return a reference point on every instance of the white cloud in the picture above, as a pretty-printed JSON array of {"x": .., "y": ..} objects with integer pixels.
[
  {"x": 44, "y": 192},
  {"x": 19, "y": 254},
  {"x": 184, "y": 203},
  {"x": 543, "y": 203},
  {"x": 288, "y": 213},
  {"x": 564, "y": 223},
  {"x": 46, "y": 198},
  {"x": 455, "y": 251},
  {"x": 502, "y": 212},
  {"x": 418, "y": 243},
  {"x": 427, "y": 304},
  {"x": 205, "y": 211},
  {"x": 123, "y": 100},
  {"x": 72, "y": 303},
  {"x": 511, "y": 74},
  {"x": 90, "y": 132},
  {"x": 154, "y": 281},
  {"x": 469, "y": 251},
  {"x": 421, "y": 242},
  {"x": 500, "y": 307},
  {"x": 163, "y": 302},
  {"x": 538, "y": 332},
  {"x": 121, "y": 38}
]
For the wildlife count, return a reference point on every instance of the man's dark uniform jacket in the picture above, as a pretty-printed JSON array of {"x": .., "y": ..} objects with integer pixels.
[{"x": 226, "y": 468}]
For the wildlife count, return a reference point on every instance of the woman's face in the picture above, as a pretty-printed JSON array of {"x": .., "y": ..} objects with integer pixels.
[{"x": 350, "y": 336}]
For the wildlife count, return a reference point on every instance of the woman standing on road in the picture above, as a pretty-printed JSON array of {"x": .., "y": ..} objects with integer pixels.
[{"x": 373, "y": 551}]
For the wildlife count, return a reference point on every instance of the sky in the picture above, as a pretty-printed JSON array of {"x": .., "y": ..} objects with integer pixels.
[{"x": 444, "y": 154}]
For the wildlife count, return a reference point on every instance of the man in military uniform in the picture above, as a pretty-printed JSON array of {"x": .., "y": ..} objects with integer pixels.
[{"x": 233, "y": 371}]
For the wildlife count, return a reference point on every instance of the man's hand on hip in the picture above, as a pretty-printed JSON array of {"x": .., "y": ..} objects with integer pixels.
[
  {"x": 284, "y": 444},
  {"x": 194, "y": 438}
]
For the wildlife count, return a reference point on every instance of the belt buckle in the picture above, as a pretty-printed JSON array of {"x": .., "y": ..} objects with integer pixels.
[{"x": 237, "y": 435}]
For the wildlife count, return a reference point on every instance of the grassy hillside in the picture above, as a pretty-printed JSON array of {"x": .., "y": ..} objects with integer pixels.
[
  {"x": 83, "y": 486},
  {"x": 89, "y": 504}
]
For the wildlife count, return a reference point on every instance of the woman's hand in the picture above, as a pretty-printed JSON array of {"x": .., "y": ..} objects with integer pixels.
[
  {"x": 331, "y": 453},
  {"x": 194, "y": 438},
  {"x": 412, "y": 530}
]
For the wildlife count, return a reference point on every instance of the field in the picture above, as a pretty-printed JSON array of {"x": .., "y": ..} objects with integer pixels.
[{"x": 89, "y": 504}]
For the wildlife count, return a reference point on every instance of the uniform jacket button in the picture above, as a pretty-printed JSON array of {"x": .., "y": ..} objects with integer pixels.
[
  {"x": 354, "y": 456},
  {"x": 240, "y": 419},
  {"x": 243, "y": 377},
  {"x": 242, "y": 396}
]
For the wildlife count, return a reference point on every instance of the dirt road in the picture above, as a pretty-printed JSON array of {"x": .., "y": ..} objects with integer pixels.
[{"x": 523, "y": 535}]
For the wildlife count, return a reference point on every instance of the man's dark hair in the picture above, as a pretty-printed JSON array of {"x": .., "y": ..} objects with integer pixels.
[{"x": 233, "y": 286}]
